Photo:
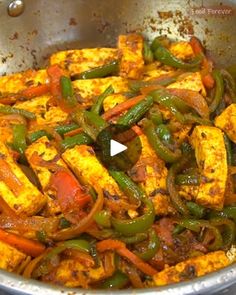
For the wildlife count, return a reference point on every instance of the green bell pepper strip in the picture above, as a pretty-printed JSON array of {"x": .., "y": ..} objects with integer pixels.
[
  {"x": 160, "y": 41},
  {"x": 41, "y": 236},
  {"x": 135, "y": 114},
  {"x": 153, "y": 245},
  {"x": 164, "y": 133},
  {"x": 191, "y": 118},
  {"x": 230, "y": 84},
  {"x": 5, "y": 109},
  {"x": 103, "y": 218},
  {"x": 19, "y": 138},
  {"x": 62, "y": 129},
  {"x": 135, "y": 86},
  {"x": 170, "y": 182},
  {"x": 227, "y": 212},
  {"x": 196, "y": 225},
  {"x": 219, "y": 90},
  {"x": 140, "y": 237},
  {"x": 64, "y": 223},
  {"x": 99, "y": 72},
  {"x": 130, "y": 188},
  {"x": 178, "y": 229},
  {"x": 155, "y": 115},
  {"x": 117, "y": 281},
  {"x": 97, "y": 106},
  {"x": 136, "y": 225},
  {"x": 162, "y": 96},
  {"x": 91, "y": 123},
  {"x": 44, "y": 267},
  {"x": 187, "y": 179},
  {"x": 186, "y": 148},
  {"x": 173, "y": 103},
  {"x": 229, "y": 231},
  {"x": 81, "y": 245},
  {"x": 196, "y": 210},
  {"x": 78, "y": 139},
  {"x": 33, "y": 136},
  {"x": 67, "y": 91},
  {"x": 228, "y": 148},
  {"x": 147, "y": 53},
  {"x": 161, "y": 150},
  {"x": 163, "y": 55}
]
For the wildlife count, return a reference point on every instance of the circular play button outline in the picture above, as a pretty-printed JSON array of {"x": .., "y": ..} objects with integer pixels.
[{"x": 118, "y": 147}]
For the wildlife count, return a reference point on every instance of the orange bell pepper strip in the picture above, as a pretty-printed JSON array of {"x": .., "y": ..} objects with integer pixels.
[
  {"x": 10, "y": 179},
  {"x": 121, "y": 249},
  {"x": 27, "y": 246},
  {"x": 121, "y": 107},
  {"x": 36, "y": 91}
]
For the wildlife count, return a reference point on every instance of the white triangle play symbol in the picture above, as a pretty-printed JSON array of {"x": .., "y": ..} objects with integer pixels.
[{"x": 116, "y": 148}]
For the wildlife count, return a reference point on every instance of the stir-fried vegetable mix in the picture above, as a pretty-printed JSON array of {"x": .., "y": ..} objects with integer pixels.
[{"x": 68, "y": 219}]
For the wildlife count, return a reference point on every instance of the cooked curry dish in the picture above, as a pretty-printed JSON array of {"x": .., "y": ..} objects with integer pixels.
[{"x": 68, "y": 218}]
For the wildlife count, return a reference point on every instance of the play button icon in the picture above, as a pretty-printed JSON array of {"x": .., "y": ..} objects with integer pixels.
[{"x": 116, "y": 148}]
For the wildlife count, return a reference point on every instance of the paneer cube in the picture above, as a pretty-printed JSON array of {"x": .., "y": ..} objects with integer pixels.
[
  {"x": 155, "y": 70},
  {"x": 112, "y": 100},
  {"x": 6, "y": 134},
  {"x": 131, "y": 51},
  {"x": 152, "y": 173},
  {"x": 73, "y": 273},
  {"x": 15, "y": 83},
  {"x": 47, "y": 152},
  {"x": 182, "y": 50},
  {"x": 80, "y": 60},
  {"x": 88, "y": 90},
  {"x": 29, "y": 200},
  {"x": 227, "y": 121},
  {"x": 11, "y": 258},
  {"x": 191, "y": 268},
  {"x": 46, "y": 114},
  {"x": 212, "y": 161},
  {"x": 193, "y": 81},
  {"x": 83, "y": 162}
]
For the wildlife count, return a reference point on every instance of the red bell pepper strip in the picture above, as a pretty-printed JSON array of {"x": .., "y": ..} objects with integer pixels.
[
  {"x": 70, "y": 194},
  {"x": 207, "y": 78},
  {"x": 55, "y": 73},
  {"x": 27, "y": 246}
]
